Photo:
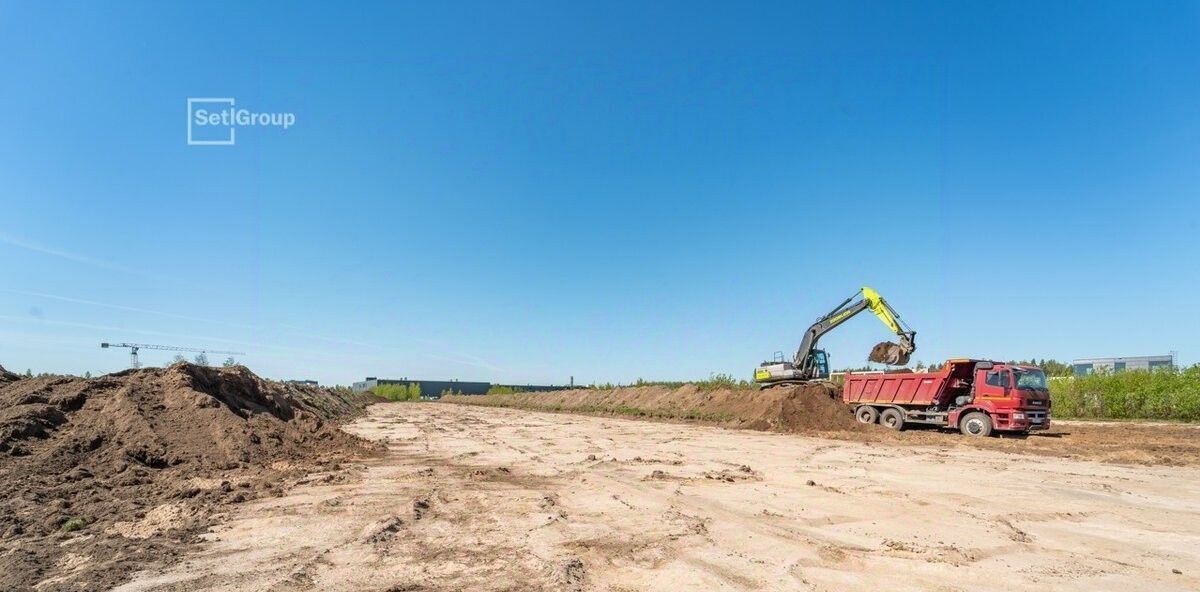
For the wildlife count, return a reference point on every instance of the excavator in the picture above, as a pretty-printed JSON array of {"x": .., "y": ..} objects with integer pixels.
[{"x": 812, "y": 364}]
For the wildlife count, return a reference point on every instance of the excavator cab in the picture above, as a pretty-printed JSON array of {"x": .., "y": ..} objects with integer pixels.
[
  {"x": 819, "y": 362},
  {"x": 780, "y": 372}
]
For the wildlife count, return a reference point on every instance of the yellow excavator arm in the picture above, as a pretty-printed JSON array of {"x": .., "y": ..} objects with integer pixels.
[
  {"x": 878, "y": 306},
  {"x": 810, "y": 363},
  {"x": 886, "y": 352}
]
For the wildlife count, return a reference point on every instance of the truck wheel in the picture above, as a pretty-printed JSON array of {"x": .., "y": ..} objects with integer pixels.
[
  {"x": 976, "y": 424},
  {"x": 867, "y": 414},
  {"x": 892, "y": 419}
]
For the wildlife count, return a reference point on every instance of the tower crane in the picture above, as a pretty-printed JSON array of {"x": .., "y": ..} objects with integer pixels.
[{"x": 134, "y": 347}]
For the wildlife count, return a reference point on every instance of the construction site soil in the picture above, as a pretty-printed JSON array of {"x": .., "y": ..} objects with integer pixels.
[
  {"x": 101, "y": 477},
  {"x": 817, "y": 409},
  {"x": 105, "y": 478},
  {"x": 812, "y": 408}
]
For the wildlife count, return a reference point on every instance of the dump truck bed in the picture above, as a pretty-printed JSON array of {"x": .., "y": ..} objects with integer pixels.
[{"x": 909, "y": 388}]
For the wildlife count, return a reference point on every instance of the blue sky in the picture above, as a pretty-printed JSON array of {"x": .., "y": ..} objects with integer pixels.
[{"x": 521, "y": 192}]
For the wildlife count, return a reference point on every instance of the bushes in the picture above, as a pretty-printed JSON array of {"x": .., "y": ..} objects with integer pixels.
[
  {"x": 722, "y": 381},
  {"x": 73, "y": 524},
  {"x": 399, "y": 392},
  {"x": 496, "y": 389},
  {"x": 1165, "y": 393},
  {"x": 714, "y": 382}
]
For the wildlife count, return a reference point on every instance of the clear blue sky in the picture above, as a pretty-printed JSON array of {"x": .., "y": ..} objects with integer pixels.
[{"x": 524, "y": 192}]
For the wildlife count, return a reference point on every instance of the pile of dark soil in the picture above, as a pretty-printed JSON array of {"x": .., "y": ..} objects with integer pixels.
[
  {"x": 102, "y": 477},
  {"x": 811, "y": 408},
  {"x": 886, "y": 352},
  {"x": 6, "y": 376},
  {"x": 815, "y": 407}
]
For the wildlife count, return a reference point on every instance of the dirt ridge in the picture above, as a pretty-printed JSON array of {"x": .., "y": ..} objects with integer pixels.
[
  {"x": 811, "y": 408},
  {"x": 102, "y": 476},
  {"x": 6, "y": 376}
]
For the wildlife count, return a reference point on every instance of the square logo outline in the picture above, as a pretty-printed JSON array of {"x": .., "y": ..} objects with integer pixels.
[{"x": 232, "y": 132}]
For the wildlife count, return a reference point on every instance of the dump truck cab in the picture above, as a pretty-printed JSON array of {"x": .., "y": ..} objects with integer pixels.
[
  {"x": 1015, "y": 398},
  {"x": 976, "y": 397}
]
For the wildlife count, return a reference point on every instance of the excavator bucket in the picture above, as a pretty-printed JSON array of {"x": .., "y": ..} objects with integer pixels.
[{"x": 887, "y": 352}]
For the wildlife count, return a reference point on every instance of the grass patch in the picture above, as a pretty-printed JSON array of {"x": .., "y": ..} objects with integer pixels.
[{"x": 73, "y": 524}]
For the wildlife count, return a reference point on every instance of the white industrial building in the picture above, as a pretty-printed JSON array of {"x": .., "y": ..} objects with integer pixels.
[{"x": 1089, "y": 365}]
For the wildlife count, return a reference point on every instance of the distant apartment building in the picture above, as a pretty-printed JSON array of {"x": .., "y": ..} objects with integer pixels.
[{"x": 1089, "y": 365}]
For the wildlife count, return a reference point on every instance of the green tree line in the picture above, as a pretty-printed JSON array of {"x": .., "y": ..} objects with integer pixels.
[
  {"x": 398, "y": 392},
  {"x": 1163, "y": 393}
]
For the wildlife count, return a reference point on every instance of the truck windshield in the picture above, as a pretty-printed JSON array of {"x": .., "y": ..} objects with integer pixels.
[{"x": 1030, "y": 379}]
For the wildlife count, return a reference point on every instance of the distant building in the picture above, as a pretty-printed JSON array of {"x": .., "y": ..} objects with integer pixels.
[
  {"x": 435, "y": 388},
  {"x": 1090, "y": 365},
  {"x": 303, "y": 382}
]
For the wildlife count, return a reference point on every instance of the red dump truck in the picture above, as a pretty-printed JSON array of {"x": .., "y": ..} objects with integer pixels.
[{"x": 976, "y": 397}]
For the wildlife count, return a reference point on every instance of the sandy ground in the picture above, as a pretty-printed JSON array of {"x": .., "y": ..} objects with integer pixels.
[
  {"x": 816, "y": 410},
  {"x": 472, "y": 498}
]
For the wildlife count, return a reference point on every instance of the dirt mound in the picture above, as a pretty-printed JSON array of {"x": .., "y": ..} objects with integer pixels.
[
  {"x": 101, "y": 477},
  {"x": 6, "y": 376},
  {"x": 815, "y": 407}
]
